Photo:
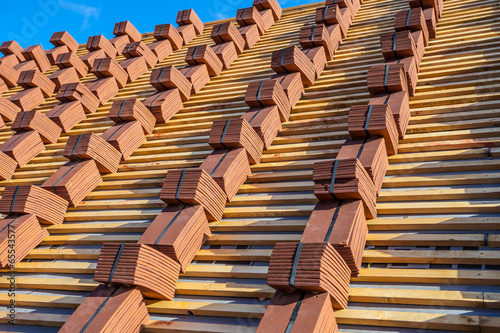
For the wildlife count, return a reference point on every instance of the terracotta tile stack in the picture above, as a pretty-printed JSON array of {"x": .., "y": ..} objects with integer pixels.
[
  {"x": 436, "y": 5},
  {"x": 430, "y": 21},
  {"x": 104, "y": 89},
  {"x": 299, "y": 312},
  {"x": 74, "y": 181},
  {"x": 34, "y": 78},
  {"x": 369, "y": 121},
  {"x": 317, "y": 56},
  {"x": 132, "y": 110},
  {"x": 292, "y": 59},
  {"x": 292, "y": 85},
  {"x": 343, "y": 225},
  {"x": 64, "y": 76},
  {"x": 312, "y": 266},
  {"x": 198, "y": 76},
  {"x": 29, "y": 199},
  {"x": 37, "y": 54},
  {"x": 399, "y": 102},
  {"x": 250, "y": 16},
  {"x": 372, "y": 154},
  {"x": 28, "y": 234},
  {"x": 64, "y": 38},
  {"x": 65, "y": 60},
  {"x": 108, "y": 67},
  {"x": 28, "y": 99},
  {"x": 227, "y": 32},
  {"x": 130, "y": 264},
  {"x": 169, "y": 77},
  {"x": 413, "y": 20},
  {"x": 178, "y": 232},
  {"x": 23, "y": 146},
  {"x": 125, "y": 137},
  {"x": 229, "y": 168},
  {"x": 78, "y": 92},
  {"x": 99, "y": 42},
  {"x": 25, "y": 66},
  {"x": 236, "y": 133},
  {"x": 386, "y": 78},
  {"x": 411, "y": 69},
  {"x": 272, "y": 5},
  {"x": 8, "y": 166},
  {"x": 67, "y": 115},
  {"x": 139, "y": 49},
  {"x": 194, "y": 187},
  {"x": 226, "y": 52},
  {"x": 398, "y": 45},
  {"x": 204, "y": 54},
  {"x": 331, "y": 15},
  {"x": 164, "y": 105},
  {"x": 54, "y": 52},
  {"x": 268, "y": 93},
  {"x": 126, "y": 28},
  {"x": 109, "y": 309},
  {"x": 318, "y": 35},
  {"x": 89, "y": 58},
  {"x": 8, "y": 110},
  {"x": 9, "y": 74},
  {"x": 266, "y": 122},
  {"x": 36, "y": 121},
  {"x": 168, "y": 32},
  {"x": 345, "y": 179},
  {"x": 91, "y": 146},
  {"x": 189, "y": 16},
  {"x": 134, "y": 67},
  {"x": 12, "y": 47},
  {"x": 120, "y": 42},
  {"x": 9, "y": 59},
  {"x": 250, "y": 34},
  {"x": 161, "y": 49},
  {"x": 187, "y": 33}
]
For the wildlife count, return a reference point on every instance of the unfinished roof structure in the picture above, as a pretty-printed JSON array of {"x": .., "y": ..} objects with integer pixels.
[{"x": 321, "y": 168}]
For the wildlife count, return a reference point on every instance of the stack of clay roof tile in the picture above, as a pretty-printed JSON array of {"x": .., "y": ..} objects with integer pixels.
[
  {"x": 89, "y": 58},
  {"x": 164, "y": 105},
  {"x": 316, "y": 267},
  {"x": 343, "y": 225},
  {"x": 169, "y": 77},
  {"x": 189, "y": 16},
  {"x": 28, "y": 234},
  {"x": 317, "y": 56},
  {"x": 108, "y": 67},
  {"x": 54, "y": 52},
  {"x": 12, "y": 47},
  {"x": 74, "y": 181},
  {"x": 266, "y": 122},
  {"x": 67, "y": 115},
  {"x": 227, "y": 32},
  {"x": 9, "y": 59},
  {"x": 331, "y": 15},
  {"x": 64, "y": 76},
  {"x": 318, "y": 35},
  {"x": 8, "y": 110},
  {"x": 236, "y": 133},
  {"x": 28, "y": 99},
  {"x": 204, "y": 54},
  {"x": 412, "y": 19},
  {"x": 91, "y": 146},
  {"x": 187, "y": 33},
  {"x": 168, "y": 31},
  {"x": 69, "y": 59},
  {"x": 229, "y": 168},
  {"x": 78, "y": 92},
  {"x": 23, "y": 146},
  {"x": 138, "y": 265},
  {"x": 120, "y": 42},
  {"x": 125, "y": 28},
  {"x": 418, "y": 38},
  {"x": 37, "y": 54},
  {"x": 345, "y": 179},
  {"x": 292, "y": 59},
  {"x": 109, "y": 309},
  {"x": 292, "y": 85},
  {"x": 400, "y": 107},
  {"x": 367, "y": 121},
  {"x": 48, "y": 207},
  {"x": 386, "y": 78},
  {"x": 398, "y": 45},
  {"x": 250, "y": 34},
  {"x": 161, "y": 49},
  {"x": 197, "y": 75},
  {"x": 430, "y": 21},
  {"x": 8, "y": 166},
  {"x": 226, "y": 53},
  {"x": 267, "y": 18},
  {"x": 272, "y": 5},
  {"x": 130, "y": 110},
  {"x": 104, "y": 89},
  {"x": 99, "y": 42},
  {"x": 436, "y": 5},
  {"x": 194, "y": 187},
  {"x": 37, "y": 121},
  {"x": 9, "y": 74},
  {"x": 35, "y": 78},
  {"x": 134, "y": 67},
  {"x": 372, "y": 154},
  {"x": 139, "y": 49},
  {"x": 25, "y": 66},
  {"x": 299, "y": 312},
  {"x": 268, "y": 93},
  {"x": 125, "y": 137},
  {"x": 178, "y": 232},
  {"x": 64, "y": 38},
  {"x": 250, "y": 16},
  {"x": 411, "y": 70}
]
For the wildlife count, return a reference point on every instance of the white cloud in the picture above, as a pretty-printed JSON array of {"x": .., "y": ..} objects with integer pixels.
[{"x": 86, "y": 11}]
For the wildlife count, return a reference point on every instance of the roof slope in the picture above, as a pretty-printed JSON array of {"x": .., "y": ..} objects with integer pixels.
[{"x": 431, "y": 261}]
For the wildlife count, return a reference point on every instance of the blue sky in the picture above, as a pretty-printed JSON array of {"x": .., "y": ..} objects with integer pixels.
[{"x": 33, "y": 21}]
